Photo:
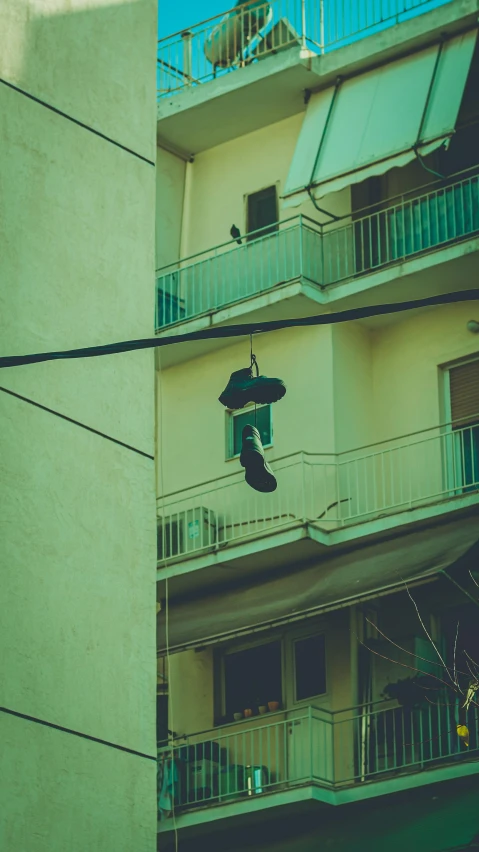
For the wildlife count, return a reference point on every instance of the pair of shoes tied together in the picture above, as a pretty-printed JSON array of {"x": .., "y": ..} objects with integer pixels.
[{"x": 241, "y": 389}]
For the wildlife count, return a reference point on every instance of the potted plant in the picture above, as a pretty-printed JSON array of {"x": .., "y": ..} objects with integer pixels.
[
  {"x": 248, "y": 712},
  {"x": 273, "y": 706},
  {"x": 262, "y": 706},
  {"x": 237, "y": 716}
]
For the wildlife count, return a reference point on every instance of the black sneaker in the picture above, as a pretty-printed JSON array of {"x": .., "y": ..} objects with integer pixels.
[
  {"x": 258, "y": 473},
  {"x": 243, "y": 387}
]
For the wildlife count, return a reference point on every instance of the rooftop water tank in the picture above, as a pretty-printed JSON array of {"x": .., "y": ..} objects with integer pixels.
[{"x": 235, "y": 32}]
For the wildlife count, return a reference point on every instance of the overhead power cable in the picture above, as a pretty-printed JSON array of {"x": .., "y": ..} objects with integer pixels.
[{"x": 242, "y": 329}]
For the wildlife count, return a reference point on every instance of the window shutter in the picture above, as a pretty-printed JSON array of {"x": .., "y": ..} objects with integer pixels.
[{"x": 464, "y": 389}]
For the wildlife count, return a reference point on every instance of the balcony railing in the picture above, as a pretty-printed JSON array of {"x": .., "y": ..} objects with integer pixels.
[
  {"x": 255, "y": 29},
  {"x": 330, "y": 750},
  {"x": 328, "y": 491},
  {"x": 303, "y": 250}
]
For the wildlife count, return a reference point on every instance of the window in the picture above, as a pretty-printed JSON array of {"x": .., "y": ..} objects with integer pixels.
[
  {"x": 252, "y": 677},
  {"x": 237, "y": 420},
  {"x": 262, "y": 213},
  {"x": 463, "y": 381},
  {"x": 309, "y": 667}
]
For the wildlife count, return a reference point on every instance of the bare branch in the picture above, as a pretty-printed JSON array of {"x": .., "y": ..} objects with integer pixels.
[
  {"x": 404, "y": 665},
  {"x": 426, "y": 632}
]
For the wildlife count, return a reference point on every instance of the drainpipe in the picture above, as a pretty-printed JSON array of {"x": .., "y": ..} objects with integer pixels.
[{"x": 186, "y": 212}]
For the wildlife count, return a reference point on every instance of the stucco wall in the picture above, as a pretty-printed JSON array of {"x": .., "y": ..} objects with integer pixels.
[
  {"x": 222, "y": 176},
  {"x": 77, "y": 509},
  {"x": 408, "y": 393},
  {"x": 193, "y": 423},
  {"x": 170, "y": 183}
]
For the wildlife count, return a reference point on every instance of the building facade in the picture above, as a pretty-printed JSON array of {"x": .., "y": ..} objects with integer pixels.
[
  {"x": 77, "y": 493},
  {"x": 315, "y": 643}
]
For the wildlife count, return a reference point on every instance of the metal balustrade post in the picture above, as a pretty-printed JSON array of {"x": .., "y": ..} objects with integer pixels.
[
  {"x": 187, "y": 37},
  {"x": 301, "y": 256},
  {"x": 303, "y": 489}
]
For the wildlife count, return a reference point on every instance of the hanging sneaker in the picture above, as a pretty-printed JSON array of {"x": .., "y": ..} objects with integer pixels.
[
  {"x": 243, "y": 387},
  {"x": 258, "y": 473}
]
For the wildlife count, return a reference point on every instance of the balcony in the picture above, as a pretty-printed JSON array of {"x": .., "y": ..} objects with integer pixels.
[
  {"x": 257, "y": 29},
  {"x": 326, "y": 493},
  {"x": 338, "y": 757},
  {"x": 315, "y": 257}
]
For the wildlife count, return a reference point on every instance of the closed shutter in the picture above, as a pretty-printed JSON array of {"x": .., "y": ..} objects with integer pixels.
[{"x": 464, "y": 390}]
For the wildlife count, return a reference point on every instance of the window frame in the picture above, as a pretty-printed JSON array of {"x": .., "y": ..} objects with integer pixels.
[
  {"x": 297, "y": 636},
  {"x": 237, "y": 648},
  {"x": 446, "y": 411},
  {"x": 229, "y": 440},
  {"x": 286, "y": 640},
  {"x": 276, "y": 186}
]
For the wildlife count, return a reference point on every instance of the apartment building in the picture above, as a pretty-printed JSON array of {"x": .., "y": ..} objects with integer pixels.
[{"x": 312, "y": 161}]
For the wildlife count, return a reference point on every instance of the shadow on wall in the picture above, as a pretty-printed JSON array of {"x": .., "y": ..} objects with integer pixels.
[{"x": 31, "y": 35}]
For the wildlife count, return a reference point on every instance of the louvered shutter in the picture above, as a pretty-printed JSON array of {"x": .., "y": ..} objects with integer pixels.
[{"x": 464, "y": 389}]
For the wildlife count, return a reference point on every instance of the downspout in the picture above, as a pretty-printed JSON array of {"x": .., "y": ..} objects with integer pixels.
[
  {"x": 421, "y": 123},
  {"x": 186, "y": 211}
]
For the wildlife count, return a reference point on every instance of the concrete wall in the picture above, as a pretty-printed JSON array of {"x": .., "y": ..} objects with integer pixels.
[
  {"x": 407, "y": 356},
  {"x": 222, "y": 176},
  {"x": 193, "y": 423},
  {"x": 170, "y": 185},
  {"x": 77, "y": 509},
  {"x": 348, "y": 386}
]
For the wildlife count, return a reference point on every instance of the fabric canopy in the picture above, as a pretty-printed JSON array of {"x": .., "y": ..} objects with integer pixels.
[
  {"x": 370, "y": 123},
  {"x": 347, "y": 578}
]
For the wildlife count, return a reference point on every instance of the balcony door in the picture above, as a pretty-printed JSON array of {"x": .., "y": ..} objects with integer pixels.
[{"x": 462, "y": 408}]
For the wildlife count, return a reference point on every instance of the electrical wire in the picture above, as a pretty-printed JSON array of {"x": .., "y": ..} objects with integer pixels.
[{"x": 242, "y": 330}]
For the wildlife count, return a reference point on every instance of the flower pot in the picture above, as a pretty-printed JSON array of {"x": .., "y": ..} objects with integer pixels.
[
  {"x": 237, "y": 716},
  {"x": 262, "y": 709},
  {"x": 247, "y": 713},
  {"x": 273, "y": 705}
]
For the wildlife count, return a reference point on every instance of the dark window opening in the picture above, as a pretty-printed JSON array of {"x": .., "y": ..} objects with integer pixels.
[
  {"x": 162, "y": 720},
  {"x": 262, "y": 213},
  {"x": 252, "y": 678},
  {"x": 309, "y": 667}
]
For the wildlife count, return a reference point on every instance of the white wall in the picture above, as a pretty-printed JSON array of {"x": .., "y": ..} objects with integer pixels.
[
  {"x": 222, "y": 177},
  {"x": 406, "y": 367},
  {"x": 192, "y": 423},
  {"x": 77, "y": 514},
  {"x": 170, "y": 183}
]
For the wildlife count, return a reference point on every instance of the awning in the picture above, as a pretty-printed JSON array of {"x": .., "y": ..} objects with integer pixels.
[
  {"x": 370, "y": 123},
  {"x": 342, "y": 580}
]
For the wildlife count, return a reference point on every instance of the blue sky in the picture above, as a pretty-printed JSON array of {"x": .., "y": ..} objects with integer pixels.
[{"x": 174, "y": 15}]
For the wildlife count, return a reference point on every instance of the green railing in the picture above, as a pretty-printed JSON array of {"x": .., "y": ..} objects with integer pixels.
[
  {"x": 303, "y": 250},
  {"x": 269, "y": 753}
]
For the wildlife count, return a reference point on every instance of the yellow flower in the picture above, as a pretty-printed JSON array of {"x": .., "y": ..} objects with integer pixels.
[{"x": 463, "y": 733}]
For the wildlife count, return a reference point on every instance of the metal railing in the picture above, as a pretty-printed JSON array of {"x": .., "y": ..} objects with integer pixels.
[
  {"x": 302, "y": 249},
  {"x": 258, "y": 756},
  {"x": 329, "y": 491},
  {"x": 254, "y": 29}
]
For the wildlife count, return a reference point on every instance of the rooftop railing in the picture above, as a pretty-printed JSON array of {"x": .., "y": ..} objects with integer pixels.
[
  {"x": 255, "y": 29},
  {"x": 271, "y": 753},
  {"x": 301, "y": 249},
  {"x": 328, "y": 491}
]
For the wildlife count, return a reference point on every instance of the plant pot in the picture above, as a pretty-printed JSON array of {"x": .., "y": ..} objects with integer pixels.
[
  {"x": 237, "y": 716},
  {"x": 273, "y": 705},
  {"x": 262, "y": 709},
  {"x": 247, "y": 713}
]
